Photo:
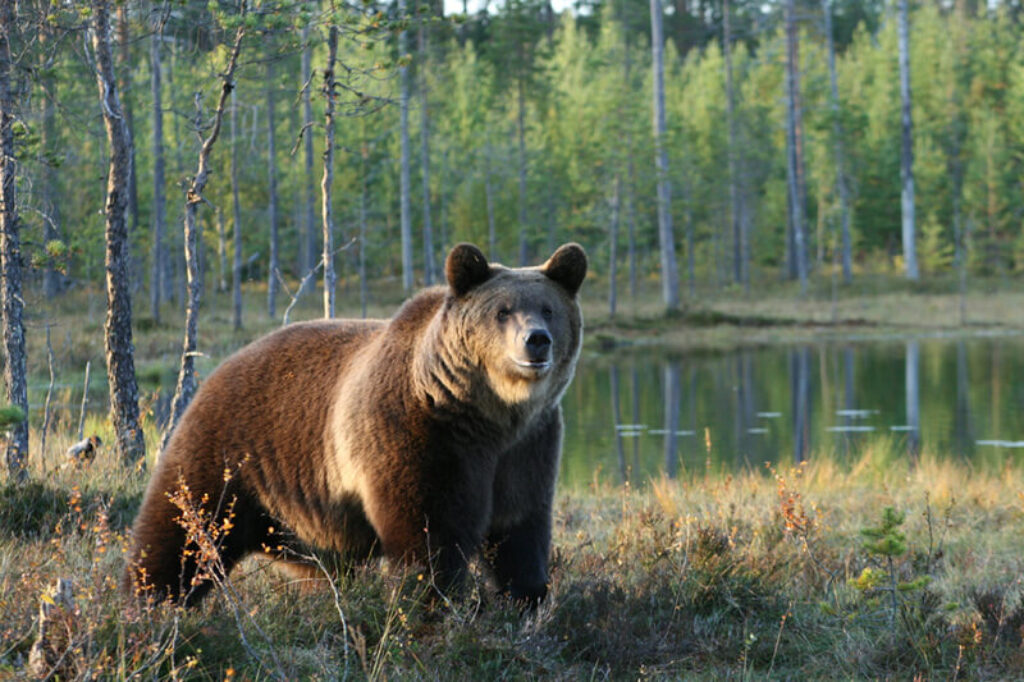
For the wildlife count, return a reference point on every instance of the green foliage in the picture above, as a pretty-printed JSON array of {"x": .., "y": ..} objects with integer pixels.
[
  {"x": 10, "y": 415},
  {"x": 886, "y": 539}
]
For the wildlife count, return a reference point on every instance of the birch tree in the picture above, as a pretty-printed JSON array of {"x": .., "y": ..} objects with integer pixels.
[
  {"x": 10, "y": 258},
  {"x": 404, "y": 183},
  {"x": 326, "y": 212},
  {"x": 124, "y": 394},
  {"x": 186, "y": 386},
  {"x": 906, "y": 148},
  {"x": 428, "y": 232},
  {"x": 159, "y": 208},
  {"x": 837, "y": 134},
  {"x": 794, "y": 146},
  {"x": 307, "y": 242},
  {"x": 273, "y": 266},
  {"x": 669, "y": 273},
  {"x": 236, "y": 213}
]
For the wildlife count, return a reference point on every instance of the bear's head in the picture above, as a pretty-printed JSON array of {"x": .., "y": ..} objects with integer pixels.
[{"x": 521, "y": 325}]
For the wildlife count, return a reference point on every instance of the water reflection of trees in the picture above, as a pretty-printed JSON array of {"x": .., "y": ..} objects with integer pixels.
[{"x": 786, "y": 404}]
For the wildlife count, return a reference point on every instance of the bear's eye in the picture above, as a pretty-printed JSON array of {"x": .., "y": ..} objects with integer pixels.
[
  {"x": 503, "y": 314},
  {"x": 547, "y": 312}
]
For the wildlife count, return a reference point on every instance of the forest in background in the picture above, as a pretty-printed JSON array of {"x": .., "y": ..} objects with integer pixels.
[
  {"x": 286, "y": 143},
  {"x": 581, "y": 83}
]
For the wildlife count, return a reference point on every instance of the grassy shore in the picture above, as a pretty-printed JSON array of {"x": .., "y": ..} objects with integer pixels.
[
  {"x": 795, "y": 574},
  {"x": 755, "y": 575}
]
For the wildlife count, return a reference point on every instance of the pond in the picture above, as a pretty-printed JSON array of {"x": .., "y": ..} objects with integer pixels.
[{"x": 644, "y": 413}]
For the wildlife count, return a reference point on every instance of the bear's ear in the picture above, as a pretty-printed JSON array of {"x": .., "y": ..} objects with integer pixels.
[
  {"x": 567, "y": 266},
  {"x": 466, "y": 268}
]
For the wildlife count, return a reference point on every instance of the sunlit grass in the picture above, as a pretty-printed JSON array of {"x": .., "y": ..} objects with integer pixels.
[{"x": 707, "y": 574}]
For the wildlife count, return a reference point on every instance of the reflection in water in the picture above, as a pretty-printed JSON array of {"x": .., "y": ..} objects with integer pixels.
[
  {"x": 963, "y": 433},
  {"x": 946, "y": 397},
  {"x": 799, "y": 382},
  {"x": 673, "y": 389},
  {"x": 913, "y": 394},
  {"x": 617, "y": 420}
]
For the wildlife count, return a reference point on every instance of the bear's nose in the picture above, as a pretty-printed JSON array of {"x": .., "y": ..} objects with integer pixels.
[{"x": 538, "y": 343}]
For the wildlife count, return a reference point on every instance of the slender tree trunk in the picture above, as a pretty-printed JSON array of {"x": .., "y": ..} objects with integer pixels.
[
  {"x": 186, "y": 386},
  {"x": 159, "y": 210},
  {"x": 50, "y": 143},
  {"x": 308, "y": 241},
  {"x": 170, "y": 255},
  {"x": 236, "y": 221},
  {"x": 837, "y": 132},
  {"x": 739, "y": 270},
  {"x": 613, "y": 250},
  {"x": 627, "y": 69},
  {"x": 125, "y": 85},
  {"x": 222, "y": 253},
  {"x": 669, "y": 274},
  {"x": 492, "y": 233},
  {"x": 363, "y": 200},
  {"x": 428, "y": 230},
  {"x": 274, "y": 266},
  {"x": 124, "y": 394},
  {"x": 521, "y": 122},
  {"x": 404, "y": 182},
  {"x": 16, "y": 392},
  {"x": 328, "y": 177},
  {"x": 907, "y": 152},
  {"x": 443, "y": 208},
  {"x": 913, "y": 394},
  {"x": 794, "y": 136}
]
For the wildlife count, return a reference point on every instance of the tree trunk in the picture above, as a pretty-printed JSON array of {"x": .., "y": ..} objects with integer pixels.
[
  {"x": 492, "y": 233},
  {"x": 222, "y": 253},
  {"x": 124, "y": 394},
  {"x": 186, "y": 386},
  {"x": 794, "y": 139},
  {"x": 669, "y": 274},
  {"x": 613, "y": 250},
  {"x": 736, "y": 196},
  {"x": 273, "y": 267},
  {"x": 363, "y": 200},
  {"x": 907, "y": 149},
  {"x": 159, "y": 200},
  {"x": 236, "y": 206},
  {"x": 837, "y": 132},
  {"x": 404, "y": 182},
  {"x": 428, "y": 230},
  {"x": 124, "y": 85},
  {"x": 328, "y": 177},
  {"x": 10, "y": 261},
  {"x": 307, "y": 243},
  {"x": 521, "y": 119},
  {"x": 50, "y": 143}
]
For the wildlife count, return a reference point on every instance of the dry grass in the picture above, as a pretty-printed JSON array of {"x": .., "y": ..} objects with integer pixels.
[{"x": 746, "y": 575}]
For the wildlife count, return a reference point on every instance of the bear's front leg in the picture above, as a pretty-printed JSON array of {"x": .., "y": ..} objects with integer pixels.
[
  {"x": 519, "y": 539},
  {"x": 439, "y": 519},
  {"x": 519, "y": 559}
]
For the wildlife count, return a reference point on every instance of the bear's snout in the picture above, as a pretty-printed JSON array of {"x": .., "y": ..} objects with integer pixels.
[{"x": 538, "y": 345}]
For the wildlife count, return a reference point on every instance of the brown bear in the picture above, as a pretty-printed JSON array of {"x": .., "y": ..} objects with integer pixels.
[{"x": 423, "y": 438}]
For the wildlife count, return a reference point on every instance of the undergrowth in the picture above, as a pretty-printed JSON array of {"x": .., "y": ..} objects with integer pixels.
[{"x": 874, "y": 570}]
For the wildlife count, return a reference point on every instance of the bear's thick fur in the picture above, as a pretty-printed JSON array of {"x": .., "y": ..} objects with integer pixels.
[{"x": 425, "y": 437}]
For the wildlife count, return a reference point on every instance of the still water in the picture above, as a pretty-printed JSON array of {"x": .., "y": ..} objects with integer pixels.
[{"x": 644, "y": 413}]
